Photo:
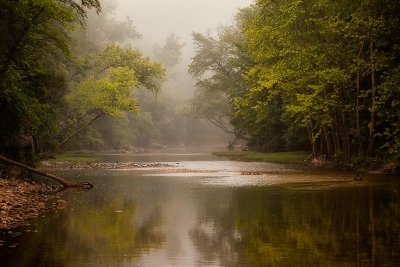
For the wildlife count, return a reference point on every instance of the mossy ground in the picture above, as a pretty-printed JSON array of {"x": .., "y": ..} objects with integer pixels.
[{"x": 75, "y": 157}]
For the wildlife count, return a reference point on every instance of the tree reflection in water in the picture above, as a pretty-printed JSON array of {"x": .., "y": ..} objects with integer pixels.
[
  {"x": 107, "y": 235},
  {"x": 280, "y": 227},
  {"x": 133, "y": 220}
]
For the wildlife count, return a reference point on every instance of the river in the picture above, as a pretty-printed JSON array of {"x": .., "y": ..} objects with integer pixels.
[{"x": 211, "y": 211}]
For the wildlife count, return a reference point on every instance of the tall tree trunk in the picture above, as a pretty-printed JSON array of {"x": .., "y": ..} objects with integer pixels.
[
  {"x": 340, "y": 122},
  {"x": 346, "y": 137},
  {"x": 326, "y": 138},
  {"x": 336, "y": 129},
  {"x": 81, "y": 129},
  {"x": 312, "y": 141},
  {"x": 358, "y": 89},
  {"x": 372, "y": 122},
  {"x": 327, "y": 143},
  {"x": 335, "y": 135}
]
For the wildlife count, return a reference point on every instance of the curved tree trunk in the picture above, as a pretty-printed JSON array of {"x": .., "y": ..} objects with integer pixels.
[
  {"x": 62, "y": 181},
  {"x": 81, "y": 129},
  {"x": 312, "y": 140},
  {"x": 372, "y": 122},
  {"x": 360, "y": 149}
]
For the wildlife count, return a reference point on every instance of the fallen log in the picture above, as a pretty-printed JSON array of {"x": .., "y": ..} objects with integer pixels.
[{"x": 62, "y": 181}]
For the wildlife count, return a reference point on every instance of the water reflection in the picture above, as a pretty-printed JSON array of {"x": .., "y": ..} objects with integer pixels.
[
  {"x": 141, "y": 218},
  {"x": 99, "y": 228},
  {"x": 281, "y": 227}
]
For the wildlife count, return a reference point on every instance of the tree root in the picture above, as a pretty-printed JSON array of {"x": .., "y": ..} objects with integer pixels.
[{"x": 65, "y": 183}]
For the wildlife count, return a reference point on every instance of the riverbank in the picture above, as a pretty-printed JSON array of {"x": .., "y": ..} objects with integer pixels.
[
  {"x": 21, "y": 201},
  {"x": 297, "y": 157},
  {"x": 102, "y": 165},
  {"x": 300, "y": 157}
]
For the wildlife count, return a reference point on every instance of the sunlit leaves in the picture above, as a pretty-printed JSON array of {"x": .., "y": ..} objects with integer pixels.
[
  {"x": 319, "y": 57},
  {"x": 112, "y": 75},
  {"x": 148, "y": 73},
  {"x": 111, "y": 94},
  {"x": 107, "y": 86}
]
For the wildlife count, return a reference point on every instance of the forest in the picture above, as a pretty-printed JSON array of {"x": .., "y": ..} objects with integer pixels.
[
  {"x": 72, "y": 79},
  {"x": 312, "y": 75}
]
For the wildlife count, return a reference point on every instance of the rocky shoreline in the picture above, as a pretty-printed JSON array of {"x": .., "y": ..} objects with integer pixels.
[
  {"x": 104, "y": 165},
  {"x": 21, "y": 201}
]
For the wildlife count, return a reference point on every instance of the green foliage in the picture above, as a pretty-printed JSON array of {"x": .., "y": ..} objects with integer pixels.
[
  {"x": 106, "y": 88},
  {"x": 389, "y": 112},
  {"x": 217, "y": 66},
  {"x": 317, "y": 72},
  {"x": 101, "y": 29},
  {"x": 34, "y": 48},
  {"x": 149, "y": 73},
  {"x": 111, "y": 94},
  {"x": 315, "y": 67},
  {"x": 170, "y": 53},
  {"x": 144, "y": 129},
  {"x": 74, "y": 157}
]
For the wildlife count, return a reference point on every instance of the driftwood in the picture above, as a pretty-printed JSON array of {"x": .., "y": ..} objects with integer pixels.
[{"x": 62, "y": 181}]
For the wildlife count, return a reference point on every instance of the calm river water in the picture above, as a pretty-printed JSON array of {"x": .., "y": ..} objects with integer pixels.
[{"x": 214, "y": 212}]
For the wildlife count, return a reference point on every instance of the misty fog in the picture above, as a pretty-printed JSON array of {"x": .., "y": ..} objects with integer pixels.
[
  {"x": 156, "y": 19},
  {"x": 163, "y": 119}
]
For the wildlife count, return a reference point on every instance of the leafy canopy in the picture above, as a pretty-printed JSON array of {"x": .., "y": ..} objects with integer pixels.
[{"x": 111, "y": 94}]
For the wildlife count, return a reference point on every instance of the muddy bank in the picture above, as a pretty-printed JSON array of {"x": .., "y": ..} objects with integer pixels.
[
  {"x": 21, "y": 201},
  {"x": 104, "y": 165}
]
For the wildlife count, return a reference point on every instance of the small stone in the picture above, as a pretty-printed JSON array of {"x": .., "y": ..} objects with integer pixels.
[
  {"x": 17, "y": 206},
  {"x": 60, "y": 203},
  {"x": 20, "y": 201},
  {"x": 16, "y": 234},
  {"x": 32, "y": 210}
]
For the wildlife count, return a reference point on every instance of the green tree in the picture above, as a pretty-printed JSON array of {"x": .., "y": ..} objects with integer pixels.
[
  {"x": 102, "y": 29},
  {"x": 107, "y": 88},
  {"x": 170, "y": 54},
  {"x": 323, "y": 67},
  {"x": 34, "y": 50},
  {"x": 217, "y": 66}
]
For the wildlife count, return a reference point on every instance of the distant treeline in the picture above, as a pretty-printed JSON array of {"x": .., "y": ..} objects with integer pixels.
[{"x": 311, "y": 74}]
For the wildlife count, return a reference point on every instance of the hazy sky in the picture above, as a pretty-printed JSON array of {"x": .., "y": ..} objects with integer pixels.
[{"x": 156, "y": 19}]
